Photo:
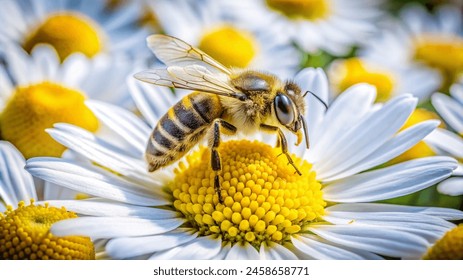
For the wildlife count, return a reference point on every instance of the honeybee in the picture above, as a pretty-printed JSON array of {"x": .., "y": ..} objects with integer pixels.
[{"x": 224, "y": 100}]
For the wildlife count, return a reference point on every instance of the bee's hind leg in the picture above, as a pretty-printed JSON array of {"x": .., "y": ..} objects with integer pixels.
[
  {"x": 281, "y": 142},
  {"x": 218, "y": 126}
]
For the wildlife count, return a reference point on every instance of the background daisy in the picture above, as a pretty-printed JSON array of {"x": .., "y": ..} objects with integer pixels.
[
  {"x": 74, "y": 26},
  {"x": 450, "y": 108},
  {"x": 24, "y": 224},
  {"x": 233, "y": 43},
  {"x": 329, "y": 25},
  {"x": 37, "y": 90},
  {"x": 389, "y": 80},
  {"x": 429, "y": 40},
  {"x": 330, "y": 212}
]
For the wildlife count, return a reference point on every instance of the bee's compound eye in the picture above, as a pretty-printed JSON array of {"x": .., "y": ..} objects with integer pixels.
[{"x": 284, "y": 109}]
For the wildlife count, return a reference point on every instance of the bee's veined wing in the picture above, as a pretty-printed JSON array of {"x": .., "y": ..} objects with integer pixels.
[
  {"x": 175, "y": 52},
  {"x": 192, "y": 77}
]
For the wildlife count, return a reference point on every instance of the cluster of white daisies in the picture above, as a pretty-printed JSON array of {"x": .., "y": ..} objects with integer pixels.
[{"x": 74, "y": 125}]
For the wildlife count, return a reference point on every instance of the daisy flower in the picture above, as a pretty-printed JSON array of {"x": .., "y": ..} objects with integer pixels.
[
  {"x": 37, "y": 90},
  {"x": 446, "y": 142},
  {"x": 24, "y": 224},
  {"x": 230, "y": 41},
  {"x": 268, "y": 211},
  {"x": 73, "y": 26},
  {"x": 389, "y": 80},
  {"x": 333, "y": 26},
  {"x": 433, "y": 41}
]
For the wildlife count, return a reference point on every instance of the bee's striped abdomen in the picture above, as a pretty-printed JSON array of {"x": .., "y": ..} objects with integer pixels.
[{"x": 181, "y": 128}]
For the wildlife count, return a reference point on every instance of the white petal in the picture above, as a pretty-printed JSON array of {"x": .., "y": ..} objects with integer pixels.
[
  {"x": 317, "y": 248},
  {"x": 102, "y": 208},
  {"x": 449, "y": 19},
  {"x": 415, "y": 17},
  {"x": 447, "y": 141},
  {"x": 223, "y": 251},
  {"x": 71, "y": 175},
  {"x": 452, "y": 186},
  {"x": 393, "y": 181},
  {"x": 343, "y": 113},
  {"x": 428, "y": 227},
  {"x": 275, "y": 251},
  {"x": 243, "y": 252},
  {"x": 74, "y": 70},
  {"x": 124, "y": 15},
  {"x": 56, "y": 192},
  {"x": 99, "y": 151},
  {"x": 450, "y": 110},
  {"x": 391, "y": 148},
  {"x": 12, "y": 16},
  {"x": 314, "y": 80},
  {"x": 47, "y": 61},
  {"x": 202, "y": 248},
  {"x": 153, "y": 102},
  {"x": 375, "y": 239},
  {"x": 443, "y": 213},
  {"x": 128, "y": 247},
  {"x": 459, "y": 170},
  {"x": 111, "y": 227},
  {"x": 6, "y": 87},
  {"x": 20, "y": 65},
  {"x": 15, "y": 183},
  {"x": 123, "y": 122},
  {"x": 365, "y": 137},
  {"x": 456, "y": 90}
]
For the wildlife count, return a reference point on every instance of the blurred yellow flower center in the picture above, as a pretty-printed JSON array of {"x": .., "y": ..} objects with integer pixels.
[
  {"x": 264, "y": 200},
  {"x": 442, "y": 52},
  {"x": 301, "y": 9},
  {"x": 25, "y": 235},
  {"x": 150, "y": 20},
  {"x": 32, "y": 109},
  {"x": 229, "y": 46},
  {"x": 353, "y": 71},
  {"x": 449, "y": 247},
  {"x": 68, "y": 33},
  {"x": 421, "y": 149}
]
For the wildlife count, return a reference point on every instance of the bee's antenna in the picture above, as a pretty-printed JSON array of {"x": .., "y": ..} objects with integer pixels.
[
  {"x": 318, "y": 98},
  {"x": 306, "y": 134}
]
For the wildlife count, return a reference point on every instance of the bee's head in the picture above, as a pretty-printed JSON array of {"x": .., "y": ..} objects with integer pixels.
[{"x": 289, "y": 109}]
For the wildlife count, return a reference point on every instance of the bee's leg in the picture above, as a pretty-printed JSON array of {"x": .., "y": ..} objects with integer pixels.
[
  {"x": 282, "y": 142},
  {"x": 218, "y": 126}
]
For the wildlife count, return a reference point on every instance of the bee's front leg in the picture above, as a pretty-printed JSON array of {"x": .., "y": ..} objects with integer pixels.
[
  {"x": 282, "y": 142},
  {"x": 218, "y": 126}
]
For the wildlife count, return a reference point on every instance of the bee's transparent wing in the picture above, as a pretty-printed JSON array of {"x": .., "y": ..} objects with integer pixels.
[
  {"x": 192, "y": 77},
  {"x": 175, "y": 52}
]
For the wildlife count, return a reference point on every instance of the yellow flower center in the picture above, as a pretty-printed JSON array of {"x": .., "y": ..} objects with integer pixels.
[
  {"x": 301, "y": 9},
  {"x": 444, "y": 53},
  {"x": 264, "y": 200},
  {"x": 421, "y": 149},
  {"x": 449, "y": 247},
  {"x": 353, "y": 71},
  {"x": 229, "y": 46},
  {"x": 25, "y": 235},
  {"x": 32, "y": 109},
  {"x": 67, "y": 33}
]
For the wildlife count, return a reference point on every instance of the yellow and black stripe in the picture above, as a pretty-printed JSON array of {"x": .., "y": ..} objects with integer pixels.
[{"x": 181, "y": 128}]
